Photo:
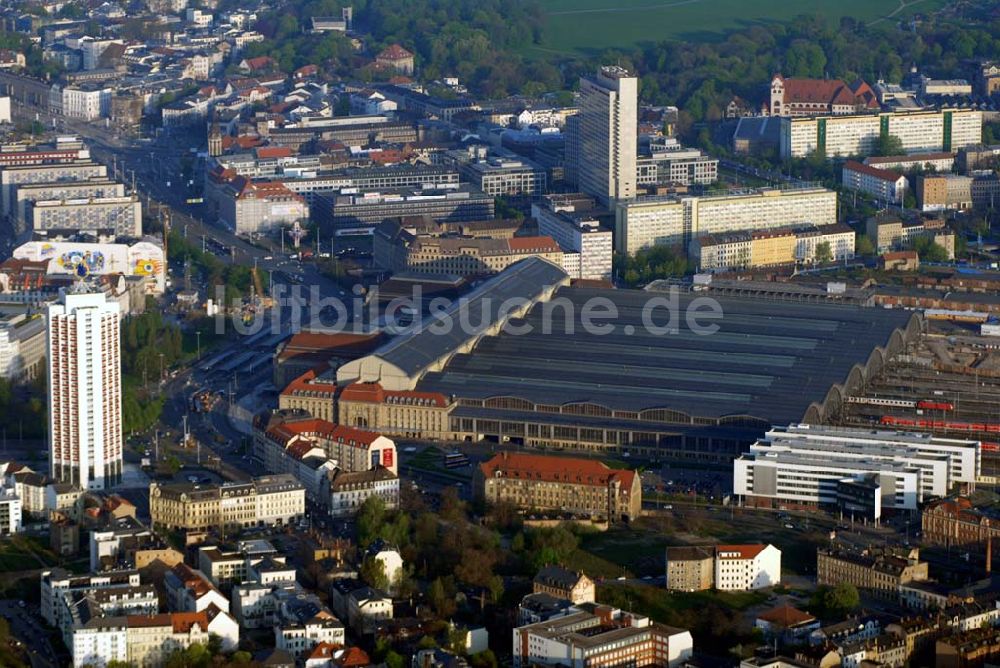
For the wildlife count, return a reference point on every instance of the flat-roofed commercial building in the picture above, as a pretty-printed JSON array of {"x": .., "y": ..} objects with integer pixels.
[
  {"x": 858, "y": 135},
  {"x": 345, "y": 212},
  {"x": 277, "y": 500},
  {"x": 803, "y": 465},
  {"x": 599, "y": 635},
  {"x": 505, "y": 177},
  {"x": 606, "y": 134},
  {"x": 579, "y": 486},
  {"x": 673, "y": 221},
  {"x": 121, "y": 214}
]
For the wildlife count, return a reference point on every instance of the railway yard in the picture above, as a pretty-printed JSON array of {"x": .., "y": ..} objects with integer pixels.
[{"x": 946, "y": 383}]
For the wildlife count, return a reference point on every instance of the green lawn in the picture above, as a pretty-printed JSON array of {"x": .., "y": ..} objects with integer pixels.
[
  {"x": 21, "y": 553},
  {"x": 595, "y": 25}
]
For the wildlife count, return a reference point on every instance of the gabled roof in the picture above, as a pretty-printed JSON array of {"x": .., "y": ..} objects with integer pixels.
[
  {"x": 394, "y": 52},
  {"x": 557, "y": 576},
  {"x": 883, "y": 174},
  {"x": 786, "y": 616},
  {"x": 374, "y": 393},
  {"x": 739, "y": 551}
]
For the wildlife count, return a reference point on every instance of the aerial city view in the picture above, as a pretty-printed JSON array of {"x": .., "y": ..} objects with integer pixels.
[{"x": 499, "y": 333}]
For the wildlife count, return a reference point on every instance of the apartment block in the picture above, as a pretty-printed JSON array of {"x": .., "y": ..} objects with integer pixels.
[
  {"x": 607, "y": 134},
  {"x": 13, "y": 176},
  {"x": 562, "y": 583},
  {"x": 26, "y": 195},
  {"x": 570, "y": 221},
  {"x": 936, "y": 162},
  {"x": 882, "y": 184},
  {"x": 878, "y": 572},
  {"x": 955, "y": 522},
  {"x": 673, "y": 221},
  {"x": 121, "y": 214},
  {"x": 350, "y": 489},
  {"x": 777, "y": 247},
  {"x": 22, "y": 344},
  {"x": 858, "y": 135},
  {"x": 889, "y": 233},
  {"x": 277, "y": 500},
  {"x": 690, "y": 568}
]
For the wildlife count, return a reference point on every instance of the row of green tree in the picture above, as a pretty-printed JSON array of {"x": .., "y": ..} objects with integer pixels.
[{"x": 236, "y": 280}]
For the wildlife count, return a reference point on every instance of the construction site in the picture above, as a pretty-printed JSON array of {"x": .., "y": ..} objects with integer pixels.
[{"x": 945, "y": 382}]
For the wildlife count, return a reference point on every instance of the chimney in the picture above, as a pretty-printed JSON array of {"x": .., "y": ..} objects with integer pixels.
[{"x": 989, "y": 554}]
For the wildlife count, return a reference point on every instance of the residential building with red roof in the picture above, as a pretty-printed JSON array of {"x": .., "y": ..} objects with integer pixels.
[
  {"x": 883, "y": 184},
  {"x": 747, "y": 567},
  {"x": 394, "y": 57},
  {"x": 812, "y": 97},
  {"x": 301, "y": 435},
  {"x": 250, "y": 207},
  {"x": 584, "y": 487}
]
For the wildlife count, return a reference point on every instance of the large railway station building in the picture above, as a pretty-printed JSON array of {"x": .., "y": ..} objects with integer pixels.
[{"x": 630, "y": 389}]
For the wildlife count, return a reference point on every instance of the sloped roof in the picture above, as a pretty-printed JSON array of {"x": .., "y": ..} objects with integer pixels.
[{"x": 544, "y": 468}]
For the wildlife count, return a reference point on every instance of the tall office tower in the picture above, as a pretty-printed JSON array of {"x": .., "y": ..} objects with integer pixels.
[
  {"x": 607, "y": 135},
  {"x": 85, "y": 382}
]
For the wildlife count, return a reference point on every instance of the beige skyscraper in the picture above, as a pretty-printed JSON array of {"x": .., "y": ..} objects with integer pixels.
[
  {"x": 85, "y": 397},
  {"x": 607, "y": 134}
]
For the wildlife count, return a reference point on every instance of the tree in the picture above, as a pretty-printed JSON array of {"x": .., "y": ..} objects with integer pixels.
[
  {"x": 442, "y": 597},
  {"x": 889, "y": 144},
  {"x": 864, "y": 246},
  {"x": 841, "y": 599},
  {"x": 371, "y": 517},
  {"x": 929, "y": 250},
  {"x": 823, "y": 254},
  {"x": 373, "y": 572}
]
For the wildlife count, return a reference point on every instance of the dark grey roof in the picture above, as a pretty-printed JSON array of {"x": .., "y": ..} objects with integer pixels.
[
  {"x": 768, "y": 360},
  {"x": 557, "y": 576},
  {"x": 415, "y": 350}
]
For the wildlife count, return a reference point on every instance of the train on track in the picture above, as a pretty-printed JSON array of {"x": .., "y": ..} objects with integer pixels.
[{"x": 922, "y": 404}]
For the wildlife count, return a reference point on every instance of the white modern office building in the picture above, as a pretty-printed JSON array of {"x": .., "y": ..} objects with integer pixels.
[
  {"x": 578, "y": 233},
  {"x": 85, "y": 400},
  {"x": 811, "y": 466},
  {"x": 608, "y": 141}
]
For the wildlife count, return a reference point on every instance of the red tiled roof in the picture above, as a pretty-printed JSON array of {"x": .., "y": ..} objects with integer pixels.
[
  {"x": 394, "y": 52},
  {"x": 304, "y": 383},
  {"x": 786, "y": 615},
  {"x": 900, "y": 255},
  {"x": 822, "y": 91},
  {"x": 555, "y": 469},
  {"x": 260, "y": 62},
  {"x": 285, "y": 432},
  {"x": 884, "y": 174},
  {"x": 323, "y": 650},
  {"x": 742, "y": 551},
  {"x": 533, "y": 244},
  {"x": 376, "y": 394},
  {"x": 916, "y": 157},
  {"x": 183, "y": 621},
  {"x": 352, "y": 657},
  {"x": 273, "y": 152},
  {"x": 311, "y": 343},
  {"x": 136, "y": 621}
]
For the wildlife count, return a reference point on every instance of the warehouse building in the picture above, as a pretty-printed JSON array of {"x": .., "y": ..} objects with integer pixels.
[
  {"x": 636, "y": 388},
  {"x": 353, "y": 212}
]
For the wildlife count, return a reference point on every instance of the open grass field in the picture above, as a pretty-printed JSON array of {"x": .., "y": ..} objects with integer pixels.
[{"x": 590, "y": 26}]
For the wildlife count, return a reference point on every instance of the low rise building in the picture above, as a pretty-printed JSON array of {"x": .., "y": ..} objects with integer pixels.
[
  {"x": 927, "y": 162},
  {"x": 406, "y": 413},
  {"x": 506, "y": 177},
  {"x": 350, "y": 489},
  {"x": 580, "y": 486},
  {"x": 874, "y": 572},
  {"x": 888, "y": 233},
  {"x": 599, "y": 635},
  {"x": 799, "y": 244},
  {"x": 882, "y": 184},
  {"x": 563, "y": 583},
  {"x": 955, "y": 522}
]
